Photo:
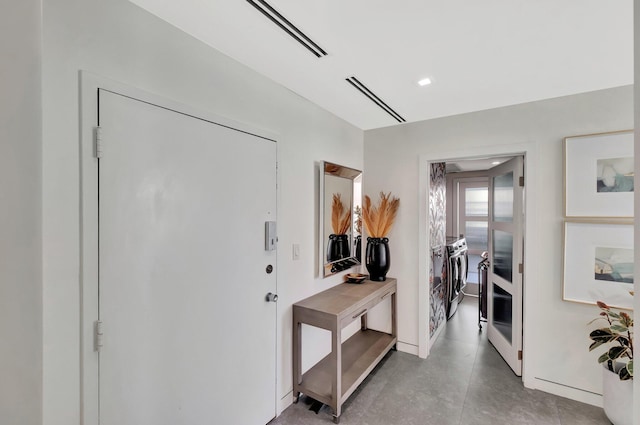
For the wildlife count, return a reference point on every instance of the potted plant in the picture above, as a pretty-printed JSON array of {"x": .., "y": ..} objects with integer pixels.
[
  {"x": 617, "y": 391},
  {"x": 378, "y": 220},
  {"x": 338, "y": 245}
]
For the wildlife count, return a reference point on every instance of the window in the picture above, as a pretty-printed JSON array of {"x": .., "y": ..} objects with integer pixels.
[{"x": 471, "y": 211}]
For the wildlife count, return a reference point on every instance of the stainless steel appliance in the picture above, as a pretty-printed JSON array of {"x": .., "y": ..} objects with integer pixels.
[{"x": 457, "y": 266}]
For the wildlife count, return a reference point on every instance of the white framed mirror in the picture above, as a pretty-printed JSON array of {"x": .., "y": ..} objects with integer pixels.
[{"x": 339, "y": 224}]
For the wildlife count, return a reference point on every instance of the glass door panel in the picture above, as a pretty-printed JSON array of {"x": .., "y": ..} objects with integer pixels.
[
  {"x": 476, "y": 201},
  {"x": 476, "y": 234},
  {"x": 503, "y": 312},
  {"x": 503, "y": 197},
  {"x": 502, "y": 248}
]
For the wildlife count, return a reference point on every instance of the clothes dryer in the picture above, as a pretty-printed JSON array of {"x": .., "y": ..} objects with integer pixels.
[{"x": 457, "y": 266}]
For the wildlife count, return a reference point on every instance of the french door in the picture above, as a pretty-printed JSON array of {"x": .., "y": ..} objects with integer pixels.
[{"x": 504, "y": 295}]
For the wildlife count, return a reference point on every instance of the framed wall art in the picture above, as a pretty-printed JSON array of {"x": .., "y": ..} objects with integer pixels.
[
  {"x": 598, "y": 175},
  {"x": 598, "y": 263}
]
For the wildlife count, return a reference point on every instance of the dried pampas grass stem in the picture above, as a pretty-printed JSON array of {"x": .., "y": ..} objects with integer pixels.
[
  {"x": 340, "y": 216},
  {"x": 379, "y": 219}
]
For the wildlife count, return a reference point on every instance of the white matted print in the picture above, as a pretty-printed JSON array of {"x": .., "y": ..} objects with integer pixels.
[
  {"x": 598, "y": 263},
  {"x": 598, "y": 173}
]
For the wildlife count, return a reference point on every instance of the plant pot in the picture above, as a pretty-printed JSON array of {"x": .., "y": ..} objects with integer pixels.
[
  {"x": 337, "y": 247},
  {"x": 617, "y": 396},
  {"x": 358, "y": 248},
  {"x": 377, "y": 258}
]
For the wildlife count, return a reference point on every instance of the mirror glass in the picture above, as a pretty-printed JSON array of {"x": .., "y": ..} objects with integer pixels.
[{"x": 340, "y": 223}]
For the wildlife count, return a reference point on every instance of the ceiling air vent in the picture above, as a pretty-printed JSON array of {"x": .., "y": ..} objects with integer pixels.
[
  {"x": 375, "y": 99},
  {"x": 267, "y": 10}
]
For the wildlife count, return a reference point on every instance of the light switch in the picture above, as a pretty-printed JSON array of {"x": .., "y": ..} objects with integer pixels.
[{"x": 296, "y": 251}]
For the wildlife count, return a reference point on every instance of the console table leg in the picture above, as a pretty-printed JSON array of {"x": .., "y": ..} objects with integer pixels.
[
  {"x": 336, "y": 384},
  {"x": 297, "y": 351}
]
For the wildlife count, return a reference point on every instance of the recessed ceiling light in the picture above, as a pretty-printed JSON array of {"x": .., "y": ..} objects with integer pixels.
[
  {"x": 424, "y": 82},
  {"x": 495, "y": 163}
]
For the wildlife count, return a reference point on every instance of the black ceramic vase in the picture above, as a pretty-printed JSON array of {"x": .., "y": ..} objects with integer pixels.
[
  {"x": 337, "y": 247},
  {"x": 377, "y": 259},
  {"x": 359, "y": 248}
]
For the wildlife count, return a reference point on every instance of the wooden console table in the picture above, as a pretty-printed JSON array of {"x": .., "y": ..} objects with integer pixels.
[{"x": 334, "y": 378}]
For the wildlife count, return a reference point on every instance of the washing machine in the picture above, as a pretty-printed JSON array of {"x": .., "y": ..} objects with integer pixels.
[{"x": 457, "y": 267}]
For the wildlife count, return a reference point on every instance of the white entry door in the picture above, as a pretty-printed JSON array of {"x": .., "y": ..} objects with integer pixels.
[
  {"x": 189, "y": 337},
  {"x": 504, "y": 289}
]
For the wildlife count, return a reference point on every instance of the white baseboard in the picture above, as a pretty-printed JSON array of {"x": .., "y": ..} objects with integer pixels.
[
  {"x": 436, "y": 334},
  {"x": 407, "y": 348},
  {"x": 284, "y": 402},
  {"x": 568, "y": 392}
]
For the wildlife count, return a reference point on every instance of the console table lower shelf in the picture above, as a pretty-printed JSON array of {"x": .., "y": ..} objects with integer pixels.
[
  {"x": 356, "y": 357},
  {"x": 360, "y": 354}
]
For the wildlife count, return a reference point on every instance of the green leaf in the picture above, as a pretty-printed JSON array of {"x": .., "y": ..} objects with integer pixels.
[
  {"x": 603, "y": 358},
  {"x": 600, "y": 333},
  {"x": 623, "y": 340},
  {"x": 624, "y": 374},
  {"x": 619, "y": 328},
  {"x": 603, "y": 335},
  {"x": 613, "y": 314},
  {"x": 630, "y": 367},
  {"x": 597, "y": 318},
  {"x": 595, "y": 345},
  {"x": 617, "y": 352}
]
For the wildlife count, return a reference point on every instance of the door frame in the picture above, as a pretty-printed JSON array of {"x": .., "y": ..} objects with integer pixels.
[
  {"x": 531, "y": 257},
  {"x": 89, "y": 263}
]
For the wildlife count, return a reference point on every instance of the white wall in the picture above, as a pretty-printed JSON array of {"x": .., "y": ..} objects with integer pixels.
[
  {"x": 556, "y": 338},
  {"x": 636, "y": 54},
  {"x": 115, "y": 39},
  {"x": 20, "y": 215}
]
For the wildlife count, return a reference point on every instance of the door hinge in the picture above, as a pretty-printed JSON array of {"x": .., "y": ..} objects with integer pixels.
[
  {"x": 519, "y": 354},
  {"x": 520, "y": 268},
  {"x": 98, "y": 336},
  {"x": 97, "y": 139},
  {"x": 521, "y": 181}
]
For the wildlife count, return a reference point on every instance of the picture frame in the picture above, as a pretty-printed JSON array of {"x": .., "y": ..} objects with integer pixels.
[
  {"x": 598, "y": 175},
  {"x": 598, "y": 262}
]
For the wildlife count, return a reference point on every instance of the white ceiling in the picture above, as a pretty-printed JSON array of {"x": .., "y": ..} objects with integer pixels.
[{"x": 479, "y": 54}]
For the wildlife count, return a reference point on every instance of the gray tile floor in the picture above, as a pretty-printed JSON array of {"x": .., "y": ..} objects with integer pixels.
[{"x": 463, "y": 382}]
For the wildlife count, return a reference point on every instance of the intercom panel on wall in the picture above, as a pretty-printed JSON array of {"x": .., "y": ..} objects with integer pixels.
[{"x": 270, "y": 236}]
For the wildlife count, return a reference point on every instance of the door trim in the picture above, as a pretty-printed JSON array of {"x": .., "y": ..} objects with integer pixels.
[
  {"x": 531, "y": 260},
  {"x": 89, "y": 85}
]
